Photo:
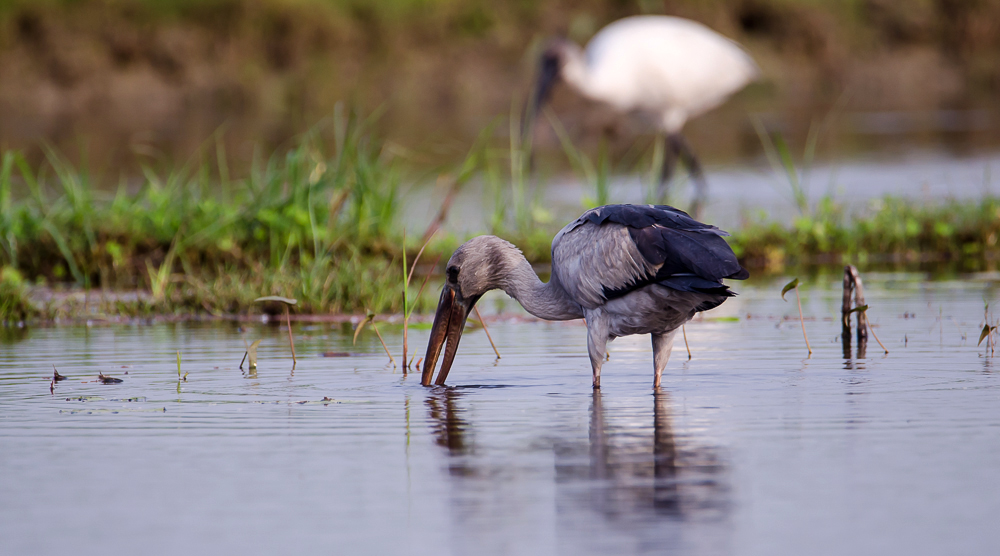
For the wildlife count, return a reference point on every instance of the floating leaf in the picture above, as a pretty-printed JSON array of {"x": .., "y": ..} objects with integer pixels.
[
  {"x": 252, "y": 354},
  {"x": 285, "y": 300},
  {"x": 722, "y": 319},
  {"x": 788, "y": 287},
  {"x": 860, "y": 309},
  {"x": 108, "y": 379},
  {"x": 986, "y": 332}
]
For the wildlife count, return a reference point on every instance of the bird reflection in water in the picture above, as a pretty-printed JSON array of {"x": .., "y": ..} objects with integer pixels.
[
  {"x": 630, "y": 474},
  {"x": 450, "y": 429},
  {"x": 618, "y": 487}
]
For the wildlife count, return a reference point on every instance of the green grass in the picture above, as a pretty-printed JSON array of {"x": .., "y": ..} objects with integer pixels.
[
  {"x": 14, "y": 303},
  {"x": 320, "y": 222},
  {"x": 315, "y": 223},
  {"x": 889, "y": 230}
]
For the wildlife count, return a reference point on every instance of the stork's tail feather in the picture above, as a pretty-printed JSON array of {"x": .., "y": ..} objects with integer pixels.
[{"x": 696, "y": 284}]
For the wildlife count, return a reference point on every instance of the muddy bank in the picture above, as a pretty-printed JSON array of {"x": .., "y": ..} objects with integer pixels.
[{"x": 128, "y": 82}]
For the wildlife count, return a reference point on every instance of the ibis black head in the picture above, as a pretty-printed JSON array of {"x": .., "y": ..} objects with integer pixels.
[{"x": 550, "y": 65}]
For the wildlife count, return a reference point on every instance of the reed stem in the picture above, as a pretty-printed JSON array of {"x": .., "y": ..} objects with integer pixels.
[
  {"x": 487, "y": 330},
  {"x": 802, "y": 320},
  {"x": 291, "y": 342},
  {"x": 385, "y": 347}
]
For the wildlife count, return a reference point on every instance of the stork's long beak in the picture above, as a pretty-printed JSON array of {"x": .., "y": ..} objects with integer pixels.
[{"x": 449, "y": 322}]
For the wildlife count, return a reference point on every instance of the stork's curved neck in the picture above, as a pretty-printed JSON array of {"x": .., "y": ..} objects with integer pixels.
[{"x": 545, "y": 300}]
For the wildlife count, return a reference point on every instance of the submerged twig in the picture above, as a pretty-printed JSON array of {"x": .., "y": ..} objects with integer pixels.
[{"x": 487, "y": 330}]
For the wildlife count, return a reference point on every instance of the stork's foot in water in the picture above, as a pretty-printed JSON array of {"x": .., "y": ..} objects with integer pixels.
[{"x": 662, "y": 345}]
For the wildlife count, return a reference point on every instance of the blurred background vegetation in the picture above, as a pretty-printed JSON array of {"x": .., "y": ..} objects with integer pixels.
[
  {"x": 207, "y": 152},
  {"x": 147, "y": 81}
]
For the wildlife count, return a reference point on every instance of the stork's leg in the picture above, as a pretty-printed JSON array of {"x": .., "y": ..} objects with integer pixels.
[
  {"x": 670, "y": 153},
  {"x": 662, "y": 344},
  {"x": 597, "y": 343},
  {"x": 684, "y": 152}
]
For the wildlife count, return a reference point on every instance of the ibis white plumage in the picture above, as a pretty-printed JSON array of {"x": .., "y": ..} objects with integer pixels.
[{"x": 670, "y": 68}]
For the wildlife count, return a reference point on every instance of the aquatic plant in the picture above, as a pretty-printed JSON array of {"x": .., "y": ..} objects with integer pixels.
[
  {"x": 989, "y": 332},
  {"x": 868, "y": 323},
  {"x": 370, "y": 318},
  {"x": 286, "y": 303},
  {"x": 180, "y": 377},
  {"x": 794, "y": 285}
]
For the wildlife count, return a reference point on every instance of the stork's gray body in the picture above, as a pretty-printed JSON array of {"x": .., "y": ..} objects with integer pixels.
[
  {"x": 626, "y": 269},
  {"x": 598, "y": 262}
]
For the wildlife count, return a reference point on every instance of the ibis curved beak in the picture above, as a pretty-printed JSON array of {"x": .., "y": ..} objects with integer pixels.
[
  {"x": 548, "y": 74},
  {"x": 449, "y": 322}
]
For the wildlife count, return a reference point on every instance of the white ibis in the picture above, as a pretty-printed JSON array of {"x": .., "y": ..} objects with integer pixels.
[
  {"x": 669, "y": 68},
  {"x": 626, "y": 269}
]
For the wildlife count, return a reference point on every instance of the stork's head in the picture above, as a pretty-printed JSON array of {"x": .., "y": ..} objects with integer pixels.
[{"x": 476, "y": 267}]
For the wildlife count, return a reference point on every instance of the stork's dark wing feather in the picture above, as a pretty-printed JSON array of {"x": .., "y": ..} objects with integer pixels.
[
  {"x": 612, "y": 250},
  {"x": 642, "y": 216}
]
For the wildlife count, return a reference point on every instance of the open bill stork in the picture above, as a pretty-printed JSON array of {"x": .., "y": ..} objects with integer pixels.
[
  {"x": 626, "y": 269},
  {"x": 669, "y": 68}
]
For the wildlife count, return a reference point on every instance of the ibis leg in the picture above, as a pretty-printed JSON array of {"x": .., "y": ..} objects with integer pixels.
[
  {"x": 670, "y": 153},
  {"x": 684, "y": 152},
  {"x": 662, "y": 345}
]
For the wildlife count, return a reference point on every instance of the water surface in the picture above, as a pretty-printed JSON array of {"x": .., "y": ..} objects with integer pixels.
[{"x": 749, "y": 448}]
